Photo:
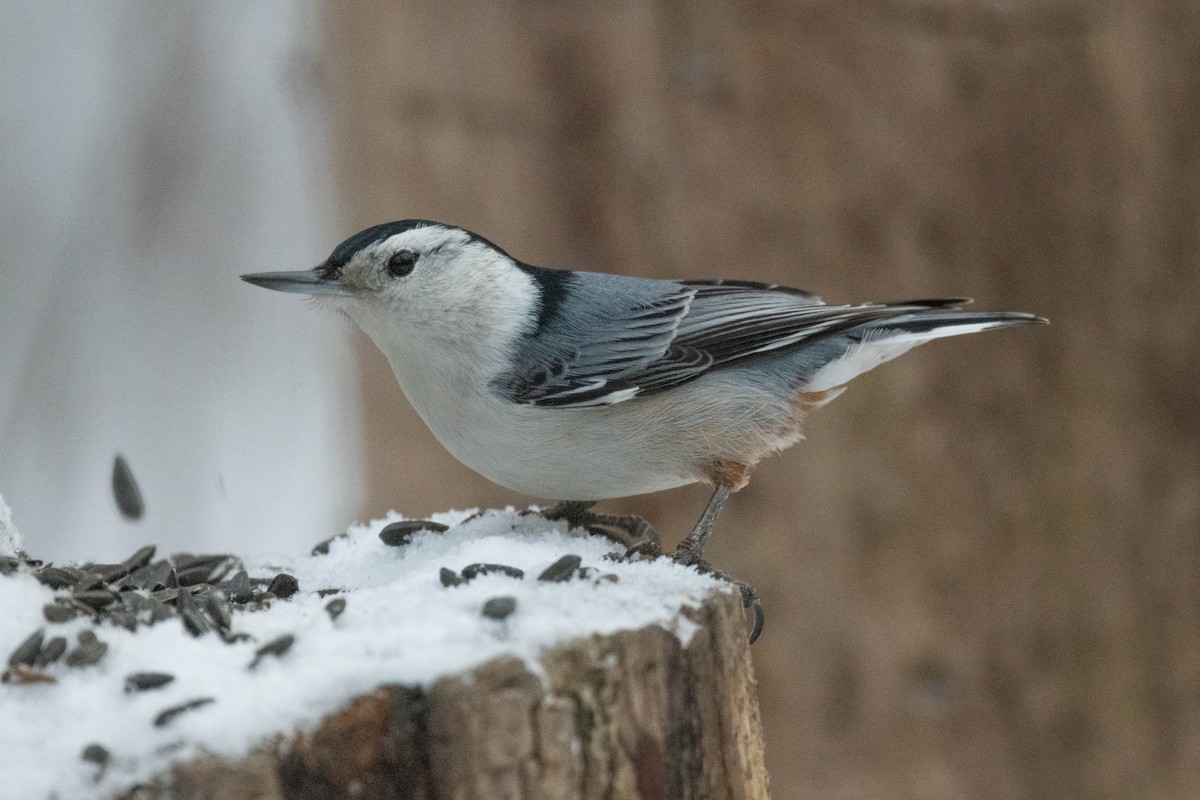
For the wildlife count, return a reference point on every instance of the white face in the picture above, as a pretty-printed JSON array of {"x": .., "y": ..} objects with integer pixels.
[{"x": 434, "y": 292}]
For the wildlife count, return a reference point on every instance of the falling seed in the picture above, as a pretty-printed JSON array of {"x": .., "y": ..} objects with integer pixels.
[
  {"x": 125, "y": 490},
  {"x": 143, "y": 681},
  {"x": 561, "y": 570},
  {"x": 239, "y": 588},
  {"x": 449, "y": 577},
  {"x": 399, "y": 534},
  {"x": 141, "y": 558},
  {"x": 335, "y": 607},
  {"x": 167, "y": 714},
  {"x": 51, "y": 652},
  {"x": 27, "y": 651},
  {"x": 499, "y": 607},
  {"x": 276, "y": 647},
  {"x": 472, "y": 571},
  {"x": 283, "y": 586},
  {"x": 96, "y": 754}
]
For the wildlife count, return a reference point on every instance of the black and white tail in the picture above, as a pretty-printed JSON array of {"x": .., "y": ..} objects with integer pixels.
[{"x": 879, "y": 341}]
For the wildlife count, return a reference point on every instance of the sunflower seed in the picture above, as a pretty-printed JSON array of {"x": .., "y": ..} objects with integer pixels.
[
  {"x": 159, "y": 611},
  {"x": 54, "y": 612},
  {"x": 322, "y": 548},
  {"x": 472, "y": 571},
  {"x": 276, "y": 647},
  {"x": 56, "y": 577},
  {"x": 399, "y": 534},
  {"x": 172, "y": 579},
  {"x": 140, "y": 558},
  {"x": 151, "y": 575},
  {"x": 142, "y": 681},
  {"x": 51, "y": 652},
  {"x": 218, "y": 612},
  {"x": 88, "y": 652},
  {"x": 125, "y": 490},
  {"x": 124, "y": 619},
  {"x": 167, "y": 714},
  {"x": 499, "y": 607},
  {"x": 561, "y": 570},
  {"x": 27, "y": 651},
  {"x": 193, "y": 620},
  {"x": 95, "y": 599},
  {"x": 110, "y": 572},
  {"x": 283, "y": 586},
  {"x": 239, "y": 588},
  {"x": 335, "y": 607},
  {"x": 449, "y": 577},
  {"x": 96, "y": 754}
]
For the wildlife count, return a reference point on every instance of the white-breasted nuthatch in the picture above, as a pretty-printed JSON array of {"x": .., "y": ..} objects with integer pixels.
[{"x": 583, "y": 386}]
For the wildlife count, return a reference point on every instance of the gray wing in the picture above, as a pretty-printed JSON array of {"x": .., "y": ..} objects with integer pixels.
[{"x": 692, "y": 327}]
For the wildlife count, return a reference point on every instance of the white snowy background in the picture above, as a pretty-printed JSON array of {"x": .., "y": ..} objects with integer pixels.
[{"x": 152, "y": 152}]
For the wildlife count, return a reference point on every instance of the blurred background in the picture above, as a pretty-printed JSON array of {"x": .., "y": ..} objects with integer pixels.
[{"x": 981, "y": 572}]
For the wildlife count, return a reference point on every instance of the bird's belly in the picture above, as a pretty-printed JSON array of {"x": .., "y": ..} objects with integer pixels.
[{"x": 643, "y": 445}]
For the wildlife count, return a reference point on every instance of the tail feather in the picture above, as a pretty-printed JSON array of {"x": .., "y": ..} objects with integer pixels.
[{"x": 879, "y": 341}]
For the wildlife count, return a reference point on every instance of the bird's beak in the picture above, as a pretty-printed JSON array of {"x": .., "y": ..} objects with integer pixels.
[{"x": 309, "y": 282}]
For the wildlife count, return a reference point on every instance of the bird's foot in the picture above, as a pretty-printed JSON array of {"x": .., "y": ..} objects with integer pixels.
[
  {"x": 631, "y": 531},
  {"x": 691, "y": 557}
]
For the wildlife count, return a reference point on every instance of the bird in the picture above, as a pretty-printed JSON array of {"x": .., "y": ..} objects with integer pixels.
[{"x": 581, "y": 386}]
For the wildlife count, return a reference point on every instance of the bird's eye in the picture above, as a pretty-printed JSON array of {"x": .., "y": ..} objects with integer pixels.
[{"x": 402, "y": 263}]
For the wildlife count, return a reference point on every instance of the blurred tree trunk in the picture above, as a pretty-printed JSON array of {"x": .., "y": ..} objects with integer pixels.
[{"x": 981, "y": 571}]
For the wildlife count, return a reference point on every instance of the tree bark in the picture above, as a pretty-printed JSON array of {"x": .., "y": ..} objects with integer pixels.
[{"x": 633, "y": 715}]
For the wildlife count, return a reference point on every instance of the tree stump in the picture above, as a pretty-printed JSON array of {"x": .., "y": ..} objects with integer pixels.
[{"x": 637, "y": 714}]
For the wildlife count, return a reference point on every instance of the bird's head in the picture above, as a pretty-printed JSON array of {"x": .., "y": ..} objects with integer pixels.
[{"x": 414, "y": 285}]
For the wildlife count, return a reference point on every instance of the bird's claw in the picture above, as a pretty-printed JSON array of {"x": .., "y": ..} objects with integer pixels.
[{"x": 689, "y": 558}]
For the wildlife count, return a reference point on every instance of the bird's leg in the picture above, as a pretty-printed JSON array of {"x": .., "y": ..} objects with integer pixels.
[
  {"x": 640, "y": 537},
  {"x": 690, "y": 552}
]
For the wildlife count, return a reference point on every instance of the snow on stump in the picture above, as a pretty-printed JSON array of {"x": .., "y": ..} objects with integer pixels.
[{"x": 498, "y": 658}]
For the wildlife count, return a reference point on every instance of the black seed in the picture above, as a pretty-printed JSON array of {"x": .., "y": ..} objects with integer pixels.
[
  {"x": 193, "y": 620},
  {"x": 561, "y": 570},
  {"x": 335, "y": 607},
  {"x": 499, "y": 607},
  {"x": 51, "y": 652},
  {"x": 449, "y": 577},
  {"x": 165, "y": 595},
  {"x": 399, "y": 534},
  {"x": 218, "y": 612},
  {"x": 283, "y": 586},
  {"x": 96, "y": 754},
  {"x": 159, "y": 611},
  {"x": 276, "y": 647},
  {"x": 96, "y": 598},
  {"x": 88, "y": 581},
  {"x": 8, "y": 565},
  {"x": 56, "y": 577},
  {"x": 172, "y": 580},
  {"x": 152, "y": 575},
  {"x": 53, "y": 612},
  {"x": 89, "y": 651},
  {"x": 141, "y": 681},
  {"x": 125, "y": 619},
  {"x": 239, "y": 588},
  {"x": 125, "y": 490},
  {"x": 472, "y": 571},
  {"x": 110, "y": 572},
  {"x": 27, "y": 651},
  {"x": 322, "y": 549},
  {"x": 167, "y": 714},
  {"x": 141, "y": 558}
]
